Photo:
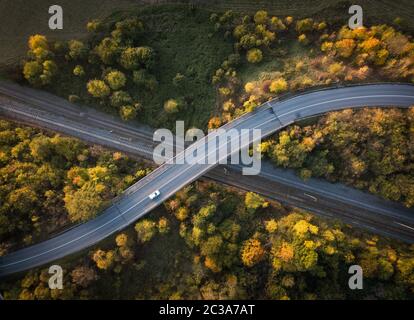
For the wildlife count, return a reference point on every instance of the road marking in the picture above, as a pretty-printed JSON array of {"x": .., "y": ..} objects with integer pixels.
[
  {"x": 404, "y": 225},
  {"x": 343, "y": 99}
]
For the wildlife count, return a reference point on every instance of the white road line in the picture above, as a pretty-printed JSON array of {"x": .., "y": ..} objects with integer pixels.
[
  {"x": 404, "y": 225},
  {"x": 343, "y": 99}
]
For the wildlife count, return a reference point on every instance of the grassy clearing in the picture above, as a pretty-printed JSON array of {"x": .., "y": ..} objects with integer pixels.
[
  {"x": 22, "y": 18},
  {"x": 185, "y": 44},
  {"x": 375, "y": 11}
]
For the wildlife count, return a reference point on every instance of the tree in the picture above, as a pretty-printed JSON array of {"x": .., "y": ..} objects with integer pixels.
[
  {"x": 108, "y": 50},
  {"x": 83, "y": 204},
  {"x": 121, "y": 240},
  {"x": 211, "y": 246},
  {"x": 32, "y": 71},
  {"x": 128, "y": 112},
  {"x": 145, "y": 80},
  {"x": 115, "y": 79},
  {"x": 304, "y": 25},
  {"x": 260, "y": 17},
  {"x": 41, "y": 148},
  {"x": 163, "y": 226},
  {"x": 146, "y": 229},
  {"x": 78, "y": 71},
  {"x": 98, "y": 88},
  {"x": 271, "y": 225},
  {"x": 171, "y": 106},
  {"x": 345, "y": 47},
  {"x": 253, "y": 201},
  {"x": 252, "y": 252},
  {"x": 49, "y": 71},
  {"x": 134, "y": 58},
  {"x": 130, "y": 28},
  {"x": 303, "y": 39},
  {"x": 38, "y": 41},
  {"x": 181, "y": 213},
  {"x": 120, "y": 98},
  {"x": 104, "y": 260},
  {"x": 254, "y": 55},
  {"x": 278, "y": 85},
  {"x": 77, "y": 49},
  {"x": 178, "y": 80},
  {"x": 83, "y": 276},
  {"x": 94, "y": 25}
]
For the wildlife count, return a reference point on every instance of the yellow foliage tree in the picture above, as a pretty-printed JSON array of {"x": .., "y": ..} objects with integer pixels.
[{"x": 252, "y": 252}]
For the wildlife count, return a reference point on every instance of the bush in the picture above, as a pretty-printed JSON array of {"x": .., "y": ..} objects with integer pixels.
[{"x": 254, "y": 55}]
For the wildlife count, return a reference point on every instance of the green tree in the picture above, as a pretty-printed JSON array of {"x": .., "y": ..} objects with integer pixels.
[{"x": 120, "y": 98}]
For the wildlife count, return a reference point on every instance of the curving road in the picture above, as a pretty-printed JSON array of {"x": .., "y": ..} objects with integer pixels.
[
  {"x": 169, "y": 178},
  {"x": 319, "y": 196}
]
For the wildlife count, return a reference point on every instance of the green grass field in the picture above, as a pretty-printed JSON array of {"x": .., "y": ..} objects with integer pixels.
[{"x": 21, "y": 18}]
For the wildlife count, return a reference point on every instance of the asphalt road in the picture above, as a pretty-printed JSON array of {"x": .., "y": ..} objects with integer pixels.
[{"x": 170, "y": 178}]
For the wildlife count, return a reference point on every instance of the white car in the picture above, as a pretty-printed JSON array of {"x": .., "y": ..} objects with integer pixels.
[{"x": 154, "y": 195}]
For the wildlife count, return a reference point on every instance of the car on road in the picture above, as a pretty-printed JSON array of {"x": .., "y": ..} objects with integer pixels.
[{"x": 154, "y": 195}]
